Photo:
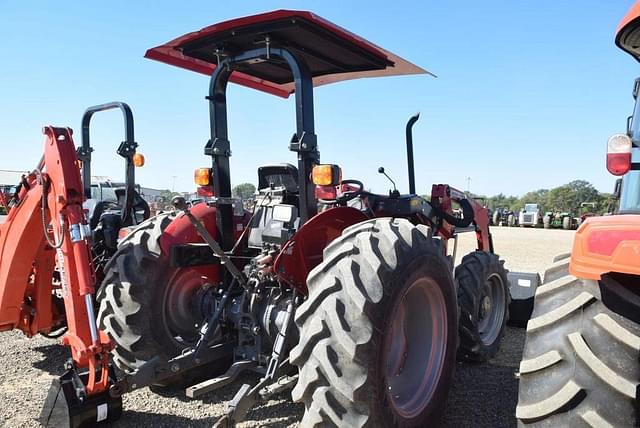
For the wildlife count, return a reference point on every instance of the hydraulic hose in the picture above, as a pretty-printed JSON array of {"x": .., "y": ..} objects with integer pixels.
[
  {"x": 44, "y": 206},
  {"x": 467, "y": 215}
]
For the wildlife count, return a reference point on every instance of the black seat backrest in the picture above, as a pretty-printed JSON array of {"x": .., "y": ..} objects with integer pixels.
[
  {"x": 139, "y": 204},
  {"x": 280, "y": 175}
]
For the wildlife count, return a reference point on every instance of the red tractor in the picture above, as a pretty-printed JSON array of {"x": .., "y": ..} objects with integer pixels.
[
  {"x": 580, "y": 362},
  {"x": 350, "y": 296}
]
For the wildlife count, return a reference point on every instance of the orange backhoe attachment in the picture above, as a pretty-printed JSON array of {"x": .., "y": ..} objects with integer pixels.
[{"x": 45, "y": 259}]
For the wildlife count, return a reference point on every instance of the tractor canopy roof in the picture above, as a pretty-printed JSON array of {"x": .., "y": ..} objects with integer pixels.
[
  {"x": 628, "y": 33},
  {"x": 331, "y": 53}
]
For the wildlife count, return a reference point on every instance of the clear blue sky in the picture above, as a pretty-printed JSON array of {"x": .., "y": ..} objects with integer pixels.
[{"x": 526, "y": 96}]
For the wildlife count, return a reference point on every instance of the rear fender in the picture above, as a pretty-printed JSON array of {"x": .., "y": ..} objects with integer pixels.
[
  {"x": 606, "y": 244},
  {"x": 304, "y": 250},
  {"x": 181, "y": 231}
]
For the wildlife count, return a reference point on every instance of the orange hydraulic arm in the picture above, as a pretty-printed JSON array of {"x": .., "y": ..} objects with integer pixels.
[{"x": 47, "y": 232}]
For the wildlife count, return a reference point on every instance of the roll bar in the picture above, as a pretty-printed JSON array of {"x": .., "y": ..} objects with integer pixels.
[
  {"x": 303, "y": 142},
  {"x": 126, "y": 149}
]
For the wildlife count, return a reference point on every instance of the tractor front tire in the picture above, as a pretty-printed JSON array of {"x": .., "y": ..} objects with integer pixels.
[
  {"x": 546, "y": 222},
  {"x": 378, "y": 332},
  {"x": 483, "y": 297},
  {"x": 566, "y": 223},
  {"x": 580, "y": 361},
  {"x": 511, "y": 220},
  {"x": 134, "y": 306}
]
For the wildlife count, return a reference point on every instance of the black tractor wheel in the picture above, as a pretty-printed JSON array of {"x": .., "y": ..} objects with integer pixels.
[
  {"x": 483, "y": 297},
  {"x": 378, "y": 332},
  {"x": 146, "y": 306},
  {"x": 511, "y": 220},
  {"x": 546, "y": 222},
  {"x": 580, "y": 361},
  {"x": 566, "y": 223}
]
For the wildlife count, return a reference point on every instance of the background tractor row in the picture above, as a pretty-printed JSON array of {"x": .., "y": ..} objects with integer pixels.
[
  {"x": 559, "y": 220},
  {"x": 530, "y": 216},
  {"x": 505, "y": 217}
]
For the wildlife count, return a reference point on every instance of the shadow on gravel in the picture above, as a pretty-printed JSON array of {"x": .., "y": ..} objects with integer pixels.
[
  {"x": 485, "y": 395},
  {"x": 283, "y": 408},
  {"x": 54, "y": 356},
  {"x": 482, "y": 395},
  {"x": 278, "y": 406}
]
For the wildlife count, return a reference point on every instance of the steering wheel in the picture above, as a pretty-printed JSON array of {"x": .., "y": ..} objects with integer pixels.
[{"x": 351, "y": 194}]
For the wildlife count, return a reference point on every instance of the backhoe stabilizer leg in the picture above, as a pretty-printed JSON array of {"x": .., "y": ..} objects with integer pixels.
[{"x": 67, "y": 404}]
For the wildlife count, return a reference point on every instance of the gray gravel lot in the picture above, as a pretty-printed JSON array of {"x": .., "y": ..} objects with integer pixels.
[{"x": 484, "y": 395}]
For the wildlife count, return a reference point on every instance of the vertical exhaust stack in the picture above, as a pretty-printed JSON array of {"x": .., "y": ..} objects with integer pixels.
[{"x": 409, "y": 136}]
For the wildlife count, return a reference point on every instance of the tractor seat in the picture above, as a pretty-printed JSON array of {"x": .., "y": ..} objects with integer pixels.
[{"x": 282, "y": 175}]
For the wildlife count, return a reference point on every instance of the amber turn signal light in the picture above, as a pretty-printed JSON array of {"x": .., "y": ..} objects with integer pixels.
[
  {"x": 138, "y": 159},
  {"x": 202, "y": 176},
  {"x": 326, "y": 175}
]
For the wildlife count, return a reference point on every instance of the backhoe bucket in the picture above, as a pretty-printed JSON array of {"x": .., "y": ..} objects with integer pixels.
[{"x": 64, "y": 406}]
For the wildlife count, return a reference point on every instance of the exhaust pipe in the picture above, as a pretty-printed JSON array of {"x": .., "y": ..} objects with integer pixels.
[{"x": 409, "y": 136}]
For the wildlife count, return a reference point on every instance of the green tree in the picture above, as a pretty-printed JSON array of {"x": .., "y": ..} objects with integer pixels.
[
  {"x": 539, "y": 197},
  {"x": 568, "y": 197},
  {"x": 244, "y": 190}
]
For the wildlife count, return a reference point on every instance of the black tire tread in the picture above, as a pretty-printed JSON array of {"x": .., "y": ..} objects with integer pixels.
[
  {"x": 580, "y": 360},
  {"x": 122, "y": 313},
  {"x": 471, "y": 274},
  {"x": 336, "y": 322}
]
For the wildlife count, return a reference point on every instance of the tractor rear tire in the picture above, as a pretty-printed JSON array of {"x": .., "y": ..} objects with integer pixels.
[
  {"x": 384, "y": 284},
  {"x": 133, "y": 299},
  {"x": 580, "y": 361},
  {"x": 546, "y": 222},
  {"x": 483, "y": 297},
  {"x": 511, "y": 220},
  {"x": 496, "y": 219},
  {"x": 566, "y": 223}
]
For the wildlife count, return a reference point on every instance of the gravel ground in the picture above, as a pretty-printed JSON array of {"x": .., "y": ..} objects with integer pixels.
[{"x": 484, "y": 395}]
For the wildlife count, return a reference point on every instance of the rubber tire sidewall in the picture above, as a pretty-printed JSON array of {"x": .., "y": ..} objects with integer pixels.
[{"x": 471, "y": 275}]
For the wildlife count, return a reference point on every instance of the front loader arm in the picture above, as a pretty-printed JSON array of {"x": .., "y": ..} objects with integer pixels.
[
  {"x": 442, "y": 196},
  {"x": 47, "y": 228}
]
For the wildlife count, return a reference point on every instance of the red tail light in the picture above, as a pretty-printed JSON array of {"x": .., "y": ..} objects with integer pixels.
[
  {"x": 326, "y": 193},
  {"x": 619, "y": 154},
  {"x": 124, "y": 232},
  {"x": 206, "y": 191}
]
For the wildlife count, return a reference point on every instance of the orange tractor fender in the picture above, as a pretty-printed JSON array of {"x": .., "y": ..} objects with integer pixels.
[{"x": 606, "y": 244}]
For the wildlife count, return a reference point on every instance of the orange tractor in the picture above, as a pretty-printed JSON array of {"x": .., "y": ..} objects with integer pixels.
[
  {"x": 350, "y": 296},
  {"x": 580, "y": 363}
]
